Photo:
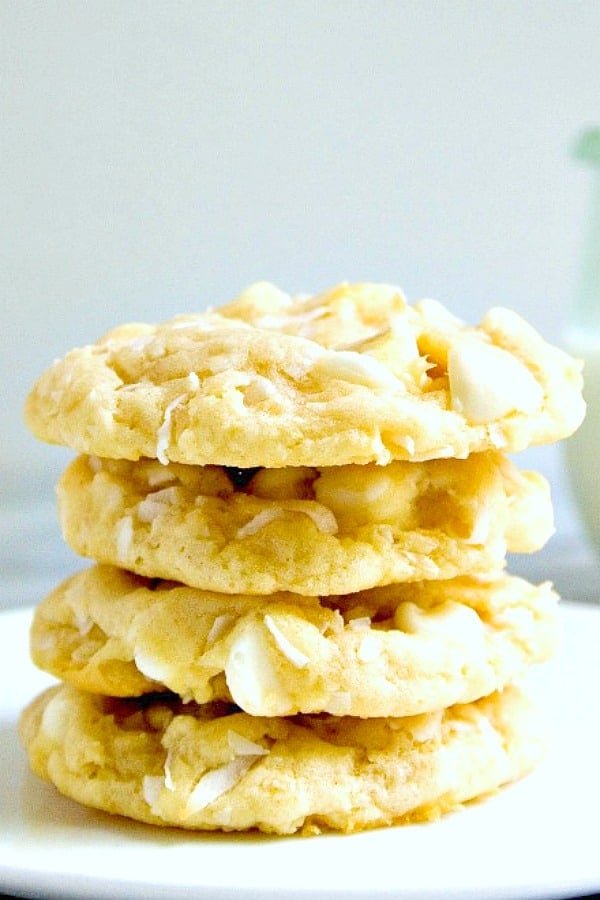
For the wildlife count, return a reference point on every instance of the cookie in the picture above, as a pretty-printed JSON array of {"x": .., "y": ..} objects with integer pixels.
[
  {"x": 165, "y": 763},
  {"x": 306, "y": 530},
  {"x": 401, "y": 650},
  {"x": 355, "y": 375}
]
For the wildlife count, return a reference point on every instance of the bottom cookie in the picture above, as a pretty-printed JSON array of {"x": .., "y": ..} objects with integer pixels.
[{"x": 213, "y": 767}]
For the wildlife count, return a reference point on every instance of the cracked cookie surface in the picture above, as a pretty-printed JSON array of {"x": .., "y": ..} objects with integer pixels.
[
  {"x": 353, "y": 375},
  {"x": 394, "y": 651},
  {"x": 306, "y": 530},
  {"x": 164, "y": 763}
]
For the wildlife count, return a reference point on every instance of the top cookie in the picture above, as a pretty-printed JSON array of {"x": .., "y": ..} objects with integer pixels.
[{"x": 354, "y": 375}]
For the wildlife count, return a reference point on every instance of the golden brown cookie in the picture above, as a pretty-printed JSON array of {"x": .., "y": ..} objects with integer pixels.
[
  {"x": 165, "y": 763},
  {"x": 394, "y": 651},
  {"x": 354, "y": 375},
  {"x": 306, "y": 530}
]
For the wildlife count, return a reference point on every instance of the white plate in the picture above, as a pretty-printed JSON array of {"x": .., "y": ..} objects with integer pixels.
[{"x": 535, "y": 839}]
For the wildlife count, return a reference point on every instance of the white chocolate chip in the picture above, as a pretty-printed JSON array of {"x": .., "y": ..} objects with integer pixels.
[
  {"x": 369, "y": 648},
  {"x": 152, "y": 786},
  {"x": 481, "y": 527},
  {"x": 251, "y": 677},
  {"x": 452, "y": 620},
  {"x": 55, "y": 718},
  {"x": 487, "y": 383},
  {"x": 152, "y": 669}
]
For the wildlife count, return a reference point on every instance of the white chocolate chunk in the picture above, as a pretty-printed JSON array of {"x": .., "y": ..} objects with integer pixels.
[
  {"x": 54, "y": 719},
  {"x": 455, "y": 620},
  {"x": 487, "y": 383},
  {"x": 481, "y": 527},
  {"x": 152, "y": 786},
  {"x": 369, "y": 648},
  {"x": 151, "y": 668},
  {"x": 250, "y": 676}
]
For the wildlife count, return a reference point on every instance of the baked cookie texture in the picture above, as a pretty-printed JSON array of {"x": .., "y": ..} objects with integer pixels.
[
  {"x": 354, "y": 375},
  {"x": 401, "y": 650},
  {"x": 306, "y": 530},
  {"x": 165, "y": 763},
  {"x": 299, "y": 510}
]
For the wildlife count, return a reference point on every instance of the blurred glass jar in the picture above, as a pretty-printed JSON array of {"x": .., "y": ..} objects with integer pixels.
[{"x": 583, "y": 339}]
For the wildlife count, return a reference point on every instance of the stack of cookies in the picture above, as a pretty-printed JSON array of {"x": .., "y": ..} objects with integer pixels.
[{"x": 299, "y": 510}]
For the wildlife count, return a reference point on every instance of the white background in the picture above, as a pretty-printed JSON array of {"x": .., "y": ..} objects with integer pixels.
[{"x": 159, "y": 156}]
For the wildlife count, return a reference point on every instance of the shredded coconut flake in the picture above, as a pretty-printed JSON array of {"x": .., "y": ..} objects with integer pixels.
[
  {"x": 169, "y": 783},
  {"x": 159, "y": 476},
  {"x": 295, "y": 656},
  {"x": 156, "y": 503},
  {"x": 218, "y": 629},
  {"x": 217, "y": 782},
  {"x": 356, "y": 368},
  {"x": 409, "y": 444},
  {"x": 124, "y": 532},
  {"x": 164, "y": 432},
  {"x": 242, "y": 746},
  {"x": 322, "y": 517},
  {"x": 259, "y": 521}
]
